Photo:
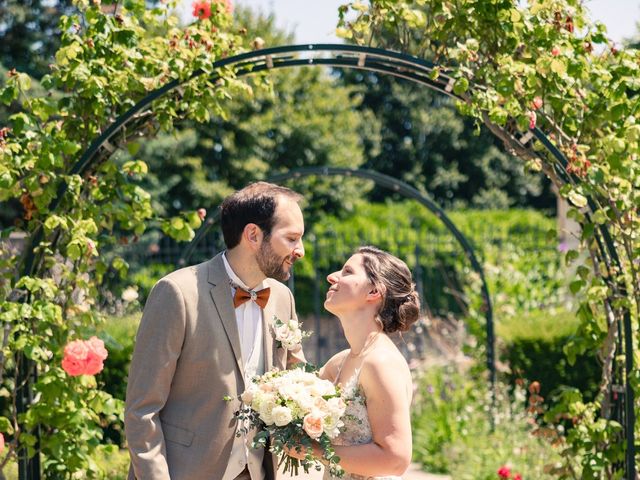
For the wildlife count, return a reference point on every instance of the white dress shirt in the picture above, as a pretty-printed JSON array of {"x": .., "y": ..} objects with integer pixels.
[{"x": 249, "y": 321}]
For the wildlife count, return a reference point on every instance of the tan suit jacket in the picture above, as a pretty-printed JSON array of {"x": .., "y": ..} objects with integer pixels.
[{"x": 186, "y": 360}]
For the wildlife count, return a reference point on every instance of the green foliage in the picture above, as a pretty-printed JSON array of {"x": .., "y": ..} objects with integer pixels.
[
  {"x": 452, "y": 428},
  {"x": 410, "y": 231},
  {"x": 105, "y": 64},
  {"x": 532, "y": 345},
  {"x": 421, "y": 139},
  {"x": 30, "y": 33}
]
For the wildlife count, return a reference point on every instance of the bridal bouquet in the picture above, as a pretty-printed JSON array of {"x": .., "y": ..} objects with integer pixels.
[{"x": 293, "y": 408}]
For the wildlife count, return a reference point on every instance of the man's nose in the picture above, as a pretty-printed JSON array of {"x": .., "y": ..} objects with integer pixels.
[{"x": 299, "y": 250}]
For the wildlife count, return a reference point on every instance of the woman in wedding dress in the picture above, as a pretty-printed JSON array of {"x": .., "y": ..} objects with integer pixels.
[{"x": 373, "y": 295}]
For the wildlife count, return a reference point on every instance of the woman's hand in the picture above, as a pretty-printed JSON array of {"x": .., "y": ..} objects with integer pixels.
[{"x": 294, "y": 453}]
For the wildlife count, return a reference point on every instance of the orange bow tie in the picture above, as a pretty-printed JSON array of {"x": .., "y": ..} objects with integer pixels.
[{"x": 261, "y": 297}]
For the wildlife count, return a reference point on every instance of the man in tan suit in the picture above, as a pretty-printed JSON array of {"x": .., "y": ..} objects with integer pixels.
[{"x": 205, "y": 331}]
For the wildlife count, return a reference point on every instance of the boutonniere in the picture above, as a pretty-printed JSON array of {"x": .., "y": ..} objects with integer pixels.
[{"x": 288, "y": 334}]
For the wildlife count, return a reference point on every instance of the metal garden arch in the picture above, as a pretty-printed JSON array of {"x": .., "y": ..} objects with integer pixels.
[{"x": 377, "y": 60}]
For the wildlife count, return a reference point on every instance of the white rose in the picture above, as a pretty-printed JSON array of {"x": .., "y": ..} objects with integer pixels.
[
  {"x": 332, "y": 425},
  {"x": 304, "y": 401},
  {"x": 266, "y": 410},
  {"x": 336, "y": 406},
  {"x": 281, "y": 416},
  {"x": 130, "y": 294}
]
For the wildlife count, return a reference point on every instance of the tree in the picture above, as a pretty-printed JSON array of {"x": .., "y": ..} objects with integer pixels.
[
  {"x": 30, "y": 34},
  {"x": 437, "y": 151},
  {"x": 294, "y": 118}
]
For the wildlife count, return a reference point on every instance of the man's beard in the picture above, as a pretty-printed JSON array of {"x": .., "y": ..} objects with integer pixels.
[{"x": 272, "y": 265}]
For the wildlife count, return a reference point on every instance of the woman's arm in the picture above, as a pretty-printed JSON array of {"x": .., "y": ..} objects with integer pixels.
[{"x": 386, "y": 382}]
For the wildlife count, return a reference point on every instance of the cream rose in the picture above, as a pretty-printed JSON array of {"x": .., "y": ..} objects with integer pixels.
[
  {"x": 281, "y": 416},
  {"x": 313, "y": 424},
  {"x": 266, "y": 410}
]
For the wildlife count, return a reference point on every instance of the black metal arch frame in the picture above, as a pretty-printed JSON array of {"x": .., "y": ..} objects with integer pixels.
[{"x": 377, "y": 60}]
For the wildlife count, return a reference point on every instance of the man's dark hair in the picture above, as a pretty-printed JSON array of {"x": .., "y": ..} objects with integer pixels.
[{"x": 255, "y": 203}]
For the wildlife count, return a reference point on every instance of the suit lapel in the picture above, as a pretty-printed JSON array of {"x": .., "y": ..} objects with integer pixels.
[{"x": 221, "y": 296}]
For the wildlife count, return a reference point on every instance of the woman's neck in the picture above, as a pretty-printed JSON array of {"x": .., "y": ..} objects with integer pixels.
[{"x": 359, "y": 328}]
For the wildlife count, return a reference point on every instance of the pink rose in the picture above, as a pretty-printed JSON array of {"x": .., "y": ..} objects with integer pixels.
[
  {"x": 1, "y": 443},
  {"x": 96, "y": 346},
  {"x": 93, "y": 365},
  {"x": 202, "y": 213},
  {"x": 517, "y": 476},
  {"x": 202, "y": 9},
  {"x": 84, "y": 357},
  {"x": 73, "y": 366},
  {"x": 555, "y": 51},
  {"x": 532, "y": 120},
  {"x": 76, "y": 350},
  {"x": 313, "y": 425}
]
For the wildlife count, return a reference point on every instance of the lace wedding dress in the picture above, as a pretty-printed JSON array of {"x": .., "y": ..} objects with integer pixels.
[{"x": 357, "y": 429}]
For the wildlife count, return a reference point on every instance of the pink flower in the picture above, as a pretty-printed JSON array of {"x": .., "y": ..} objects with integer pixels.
[
  {"x": 202, "y": 213},
  {"x": 202, "y": 9},
  {"x": 537, "y": 103},
  {"x": 555, "y": 51},
  {"x": 96, "y": 346},
  {"x": 1, "y": 443},
  {"x": 504, "y": 472},
  {"x": 95, "y": 358},
  {"x": 84, "y": 357},
  {"x": 75, "y": 358},
  {"x": 517, "y": 476},
  {"x": 532, "y": 120},
  {"x": 312, "y": 424}
]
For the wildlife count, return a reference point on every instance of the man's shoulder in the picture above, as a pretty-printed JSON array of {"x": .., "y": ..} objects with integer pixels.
[{"x": 189, "y": 274}]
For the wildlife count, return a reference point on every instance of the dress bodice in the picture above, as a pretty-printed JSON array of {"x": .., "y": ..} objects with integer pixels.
[{"x": 356, "y": 429}]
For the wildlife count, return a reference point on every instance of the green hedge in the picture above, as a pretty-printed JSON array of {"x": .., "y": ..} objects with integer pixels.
[{"x": 532, "y": 346}]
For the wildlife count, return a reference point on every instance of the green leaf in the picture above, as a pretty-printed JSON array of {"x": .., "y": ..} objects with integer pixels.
[
  {"x": 558, "y": 66},
  {"x": 577, "y": 199},
  {"x": 6, "y": 426},
  {"x": 461, "y": 86},
  {"x": 576, "y": 286}
]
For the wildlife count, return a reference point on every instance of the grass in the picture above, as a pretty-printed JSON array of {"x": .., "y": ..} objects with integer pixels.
[
  {"x": 537, "y": 325},
  {"x": 125, "y": 326},
  {"x": 112, "y": 460}
]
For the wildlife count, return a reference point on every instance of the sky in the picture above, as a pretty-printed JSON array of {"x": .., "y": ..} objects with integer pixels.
[{"x": 314, "y": 21}]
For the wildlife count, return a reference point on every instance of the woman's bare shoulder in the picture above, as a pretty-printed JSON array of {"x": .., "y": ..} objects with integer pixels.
[
  {"x": 384, "y": 365},
  {"x": 330, "y": 369}
]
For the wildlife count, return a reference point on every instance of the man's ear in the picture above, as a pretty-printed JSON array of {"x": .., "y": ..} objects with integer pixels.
[{"x": 252, "y": 235}]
